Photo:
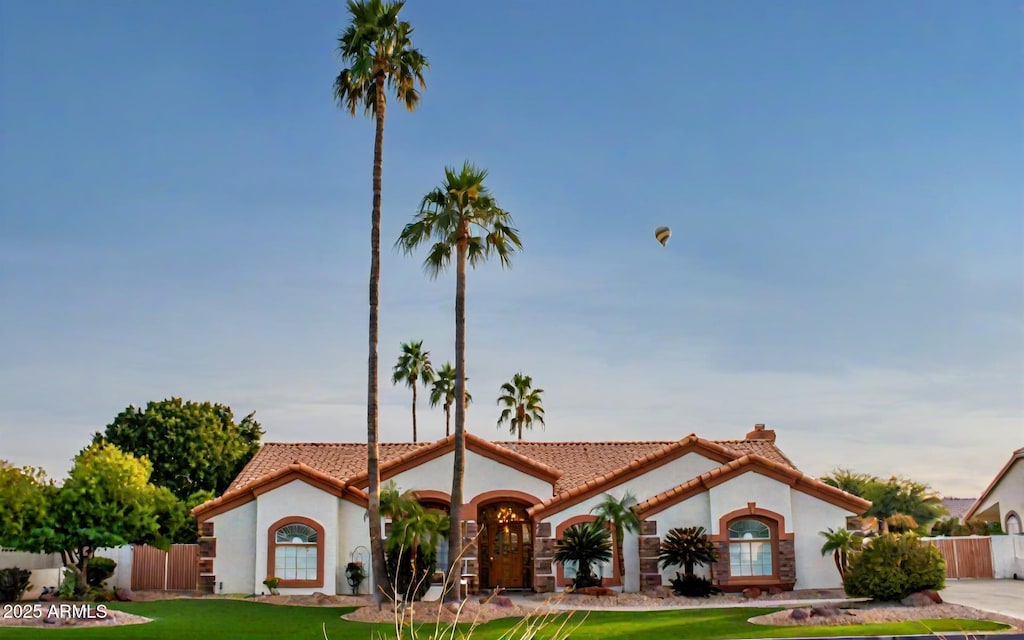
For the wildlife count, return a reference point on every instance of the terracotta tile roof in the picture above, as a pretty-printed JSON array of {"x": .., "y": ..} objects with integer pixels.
[
  {"x": 771, "y": 468},
  {"x": 577, "y": 462}
]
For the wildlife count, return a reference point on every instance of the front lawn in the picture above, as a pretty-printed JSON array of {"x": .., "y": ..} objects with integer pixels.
[{"x": 238, "y": 620}]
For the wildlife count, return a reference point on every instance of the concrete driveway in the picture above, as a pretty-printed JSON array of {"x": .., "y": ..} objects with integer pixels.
[{"x": 998, "y": 596}]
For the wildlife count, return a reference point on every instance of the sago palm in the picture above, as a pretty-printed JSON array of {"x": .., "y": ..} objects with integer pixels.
[
  {"x": 622, "y": 518},
  {"x": 443, "y": 392},
  {"x": 460, "y": 218},
  {"x": 522, "y": 403},
  {"x": 413, "y": 366},
  {"x": 378, "y": 53},
  {"x": 584, "y": 544},
  {"x": 687, "y": 547}
]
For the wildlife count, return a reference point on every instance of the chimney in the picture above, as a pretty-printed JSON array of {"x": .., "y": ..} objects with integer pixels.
[{"x": 760, "y": 433}]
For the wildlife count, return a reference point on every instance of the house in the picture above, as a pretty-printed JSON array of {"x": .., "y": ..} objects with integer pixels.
[
  {"x": 958, "y": 507},
  {"x": 1003, "y": 499},
  {"x": 297, "y": 511}
]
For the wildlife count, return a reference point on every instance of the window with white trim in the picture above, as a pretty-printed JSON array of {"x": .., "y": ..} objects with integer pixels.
[
  {"x": 750, "y": 548},
  {"x": 295, "y": 552}
]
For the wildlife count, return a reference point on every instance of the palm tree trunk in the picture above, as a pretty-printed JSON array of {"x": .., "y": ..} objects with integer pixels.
[
  {"x": 372, "y": 450},
  {"x": 459, "y": 470},
  {"x": 622, "y": 560},
  {"x": 520, "y": 430},
  {"x": 447, "y": 419},
  {"x": 414, "y": 411}
]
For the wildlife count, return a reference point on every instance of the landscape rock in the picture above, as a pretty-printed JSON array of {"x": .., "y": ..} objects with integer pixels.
[
  {"x": 499, "y": 601},
  {"x": 124, "y": 595},
  {"x": 774, "y": 590},
  {"x": 799, "y": 614},
  {"x": 826, "y": 611},
  {"x": 917, "y": 600},
  {"x": 934, "y": 595},
  {"x": 752, "y": 593}
]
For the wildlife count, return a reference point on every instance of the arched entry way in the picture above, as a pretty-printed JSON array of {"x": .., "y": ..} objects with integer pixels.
[{"x": 506, "y": 546}]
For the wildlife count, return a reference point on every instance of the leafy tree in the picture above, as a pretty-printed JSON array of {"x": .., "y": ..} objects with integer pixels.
[
  {"x": 377, "y": 49},
  {"x": 522, "y": 402},
  {"x": 107, "y": 501},
  {"x": 584, "y": 544},
  {"x": 687, "y": 547},
  {"x": 23, "y": 496},
  {"x": 840, "y": 543},
  {"x": 444, "y": 391},
  {"x": 192, "y": 446},
  {"x": 850, "y": 481},
  {"x": 413, "y": 366},
  {"x": 893, "y": 497},
  {"x": 461, "y": 217},
  {"x": 619, "y": 514}
]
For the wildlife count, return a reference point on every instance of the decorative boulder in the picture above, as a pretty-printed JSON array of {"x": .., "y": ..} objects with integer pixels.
[
  {"x": 824, "y": 611},
  {"x": 774, "y": 590},
  {"x": 917, "y": 600},
  {"x": 799, "y": 614},
  {"x": 124, "y": 595},
  {"x": 934, "y": 595},
  {"x": 752, "y": 593},
  {"x": 499, "y": 601}
]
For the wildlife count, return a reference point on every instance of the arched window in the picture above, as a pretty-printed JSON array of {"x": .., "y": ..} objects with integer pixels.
[
  {"x": 296, "y": 552},
  {"x": 751, "y": 548},
  {"x": 1013, "y": 525}
]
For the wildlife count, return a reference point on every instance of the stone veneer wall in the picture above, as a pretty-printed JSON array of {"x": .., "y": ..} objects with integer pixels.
[
  {"x": 207, "y": 554},
  {"x": 650, "y": 543},
  {"x": 786, "y": 559},
  {"x": 543, "y": 551}
]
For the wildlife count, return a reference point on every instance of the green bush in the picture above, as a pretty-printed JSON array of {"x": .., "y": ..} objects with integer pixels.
[
  {"x": 893, "y": 567},
  {"x": 691, "y": 586},
  {"x": 69, "y": 586},
  {"x": 99, "y": 569},
  {"x": 13, "y": 583}
]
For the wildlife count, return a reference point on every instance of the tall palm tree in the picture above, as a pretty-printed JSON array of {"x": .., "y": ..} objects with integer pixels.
[
  {"x": 460, "y": 217},
  {"x": 378, "y": 52},
  {"x": 840, "y": 543},
  {"x": 622, "y": 518},
  {"x": 443, "y": 391},
  {"x": 520, "y": 397},
  {"x": 413, "y": 366}
]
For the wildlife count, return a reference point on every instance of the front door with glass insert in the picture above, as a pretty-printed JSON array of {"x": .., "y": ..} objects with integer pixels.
[{"x": 506, "y": 546}]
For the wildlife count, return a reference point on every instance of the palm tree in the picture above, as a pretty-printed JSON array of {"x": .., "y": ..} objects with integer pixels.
[
  {"x": 443, "y": 391},
  {"x": 584, "y": 544},
  {"x": 840, "y": 542},
  {"x": 462, "y": 217},
  {"x": 520, "y": 396},
  {"x": 622, "y": 518},
  {"x": 413, "y": 366},
  {"x": 687, "y": 547},
  {"x": 378, "y": 52}
]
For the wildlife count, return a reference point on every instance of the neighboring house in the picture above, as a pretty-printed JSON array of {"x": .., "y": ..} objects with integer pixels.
[
  {"x": 958, "y": 507},
  {"x": 1003, "y": 500},
  {"x": 298, "y": 511}
]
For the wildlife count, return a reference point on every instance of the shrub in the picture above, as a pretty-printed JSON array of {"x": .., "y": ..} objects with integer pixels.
[
  {"x": 408, "y": 586},
  {"x": 893, "y": 567},
  {"x": 687, "y": 548},
  {"x": 584, "y": 544},
  {"x": 13, "y": 583},
  {"x": 99, "y": 569},
  {"x": 691, "y": 586}
]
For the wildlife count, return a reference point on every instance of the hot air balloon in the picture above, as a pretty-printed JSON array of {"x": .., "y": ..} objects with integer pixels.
[{"x": 663, "y": 234}]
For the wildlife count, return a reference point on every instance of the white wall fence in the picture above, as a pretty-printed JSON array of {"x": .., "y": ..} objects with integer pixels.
[{"x": 47, "y": 568}]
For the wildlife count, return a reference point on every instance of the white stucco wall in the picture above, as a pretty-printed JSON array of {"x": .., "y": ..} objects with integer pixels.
[
  {"x": 353, "y": 532},
  {"x": 695, "y": 511},
  {"x": 734, "y": 494},
  {"x": 811, "y": 516},
  {"x": 1008, "y": 556},
  {"x": 482, "y": 474},
  {"x": 234, "y": 565},
  {"x": 298, "y": 498},
  {"x": 1008, "y": 494}
]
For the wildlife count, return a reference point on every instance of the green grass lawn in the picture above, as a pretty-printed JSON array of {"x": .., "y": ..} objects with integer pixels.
[{"x": 239, "y": 620}]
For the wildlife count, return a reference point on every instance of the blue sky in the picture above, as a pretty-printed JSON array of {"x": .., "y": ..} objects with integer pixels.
[{"x": 185, "y": 212}]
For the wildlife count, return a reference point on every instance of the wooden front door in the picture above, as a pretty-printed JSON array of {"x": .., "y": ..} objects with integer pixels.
[{"x": 506, "y": 547}]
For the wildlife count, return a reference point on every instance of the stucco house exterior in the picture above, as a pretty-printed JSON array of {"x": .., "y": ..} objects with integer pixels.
[
  {"x": 297, "y": 511},
  {"x": 1003, "y": 499}
]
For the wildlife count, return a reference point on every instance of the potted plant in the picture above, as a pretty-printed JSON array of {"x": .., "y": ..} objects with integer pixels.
[
  {"x": 272, "y": 583},
  {"x": 355, "y": 574}
]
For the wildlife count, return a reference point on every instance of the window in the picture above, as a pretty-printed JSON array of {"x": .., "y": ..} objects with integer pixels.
[
  {"x": 600, "y": 569},
  {"x": 296, "y": 552},
  {"x": 1013, "y": 524},
  {"x": 750, "y": 548}
]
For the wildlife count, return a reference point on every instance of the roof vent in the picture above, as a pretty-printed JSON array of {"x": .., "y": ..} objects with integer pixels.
[{"x": 760, "y": 433}]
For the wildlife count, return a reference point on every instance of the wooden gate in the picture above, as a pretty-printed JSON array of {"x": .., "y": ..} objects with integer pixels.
[
  {"x": 966, "y": 557},
  {"x": 155, "y": 569}
]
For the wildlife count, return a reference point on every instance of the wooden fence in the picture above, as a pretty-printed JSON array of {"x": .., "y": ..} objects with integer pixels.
[
  {"x": 174, "y": 570},
  {"x": 968, "y": 557}
]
